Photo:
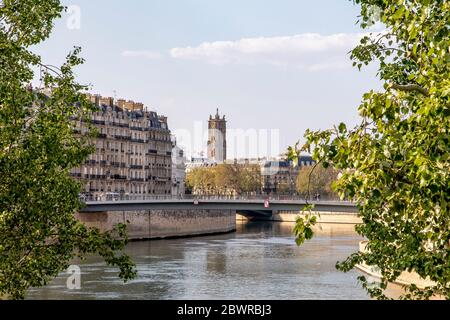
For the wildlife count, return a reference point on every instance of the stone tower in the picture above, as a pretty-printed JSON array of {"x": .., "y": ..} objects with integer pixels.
[{"x": 217, "y": 138}]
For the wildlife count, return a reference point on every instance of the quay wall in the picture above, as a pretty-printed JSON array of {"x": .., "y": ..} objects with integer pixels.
[
  {"x": 322, "y": 217},
  {"x": 157, "y": 224}
]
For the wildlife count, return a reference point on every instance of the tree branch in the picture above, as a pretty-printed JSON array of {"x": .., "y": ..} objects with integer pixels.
[
  {"x": 309, "y": 181},
  {"x": 409, "y": 88}
]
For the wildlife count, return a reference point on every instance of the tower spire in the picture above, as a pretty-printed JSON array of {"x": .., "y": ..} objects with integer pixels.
[{"x": 217, "y": 145}]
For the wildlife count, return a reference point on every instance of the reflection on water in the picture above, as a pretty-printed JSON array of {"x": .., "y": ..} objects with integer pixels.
[{"x": 259, "y": 261}]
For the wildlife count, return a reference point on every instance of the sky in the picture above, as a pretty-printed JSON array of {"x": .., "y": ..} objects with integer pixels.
[{"x": 274, "y": 68}]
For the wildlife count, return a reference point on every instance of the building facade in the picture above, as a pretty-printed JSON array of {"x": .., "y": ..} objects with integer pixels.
[
  {"x": 280, "y": 176},
  {"x": 133, "y": 155},
  {"x": 217, "y": 138}
]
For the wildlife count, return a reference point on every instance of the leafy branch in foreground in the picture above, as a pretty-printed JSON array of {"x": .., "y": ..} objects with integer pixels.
[
  {"x": 396, "y": 164},
  {"x": 39, "y": 234},
  {"x": 303, "y": 226}
]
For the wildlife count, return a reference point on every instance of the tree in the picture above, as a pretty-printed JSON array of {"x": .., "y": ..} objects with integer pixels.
[
  {"x": 312, "y": 181},
  {"x": 200, "y": 180},
  {"x": 39, "y": 234},
  {"x": 251, "y": 180},
  {"x": 396, "y": 163},
  {"x": 225, "y": 179}
]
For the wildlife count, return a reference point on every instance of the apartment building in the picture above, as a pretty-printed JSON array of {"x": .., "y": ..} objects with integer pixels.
[{"x": 133, "y": 155}]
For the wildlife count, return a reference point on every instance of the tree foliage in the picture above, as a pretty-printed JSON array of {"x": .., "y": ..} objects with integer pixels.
[
  {"x": 316, "y": 180},
  {"x": 396, "y": 163},
  {"x": 39, "y": 234},
  {"x": 225, "y": 179}
]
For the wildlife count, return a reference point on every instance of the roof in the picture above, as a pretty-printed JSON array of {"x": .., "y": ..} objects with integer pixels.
[{"x": 277, "y": 164}]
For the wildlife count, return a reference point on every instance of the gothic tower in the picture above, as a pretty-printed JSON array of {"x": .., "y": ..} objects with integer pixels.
[{"x": 217, "y": 138}]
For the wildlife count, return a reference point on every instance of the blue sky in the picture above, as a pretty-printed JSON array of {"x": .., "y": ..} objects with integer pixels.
[{"x": 267, "y": 64}]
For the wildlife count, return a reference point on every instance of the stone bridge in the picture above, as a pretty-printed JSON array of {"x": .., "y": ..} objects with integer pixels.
[
  {"x": 163, "y": 218},
  {"x": 251, "y": 208}
]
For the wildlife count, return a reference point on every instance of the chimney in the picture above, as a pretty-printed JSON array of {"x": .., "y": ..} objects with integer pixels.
[
  {"x": 121, "y": 103},
  {"x": 93, "y": 98},
  {"x": 129, "y": 105},
  {"x": 108, "y": 101},
  {"x": 138, "y": 106}
]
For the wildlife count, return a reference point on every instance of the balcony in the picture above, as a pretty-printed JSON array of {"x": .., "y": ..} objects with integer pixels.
[
  {"x": 118, "y": 177},
  {"x": 95, "y": 176},
  {"x": 121, "y": 125},
  {"x": 119, "y": 137},
  {"x": 135, "y": 166}
]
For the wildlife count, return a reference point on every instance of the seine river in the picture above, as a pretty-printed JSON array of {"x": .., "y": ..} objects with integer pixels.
[{"x": 259, "y": 261}]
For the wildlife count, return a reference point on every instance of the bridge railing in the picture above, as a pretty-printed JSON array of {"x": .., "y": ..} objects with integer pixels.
[{"x": 108, "y": 197}]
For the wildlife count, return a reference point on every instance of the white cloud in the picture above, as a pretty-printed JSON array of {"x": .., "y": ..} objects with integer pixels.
[
  {"x": 152, "y": 55},
  {"x": 309, "y": 51}
]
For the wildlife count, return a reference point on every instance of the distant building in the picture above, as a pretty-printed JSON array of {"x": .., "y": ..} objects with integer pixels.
[
  {"x": 178, "y": 170},
  {"x": 217, "y": 138},
  {"x": 133, "y": 155},
  {"x": 199, "y": 162},
  {"x": 305, "y": 161},
  {"x": 280, "y": 176}
]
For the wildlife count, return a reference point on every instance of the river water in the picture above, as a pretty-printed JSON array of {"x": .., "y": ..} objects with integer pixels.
[{"x": 259, "y": 261}]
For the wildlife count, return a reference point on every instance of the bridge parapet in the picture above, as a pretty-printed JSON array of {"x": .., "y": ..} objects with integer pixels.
[
  {"x": 120, "y": 197},
  {"x": 211, "y": 204}
]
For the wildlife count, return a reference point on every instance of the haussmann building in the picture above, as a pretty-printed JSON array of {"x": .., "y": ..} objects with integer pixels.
[{"x": 133, "y": 152}]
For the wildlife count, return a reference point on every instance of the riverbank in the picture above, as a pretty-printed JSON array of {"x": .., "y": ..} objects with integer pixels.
[
  {"x": 325, "y": 217},
  {"x": 404, "y": 279}
]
